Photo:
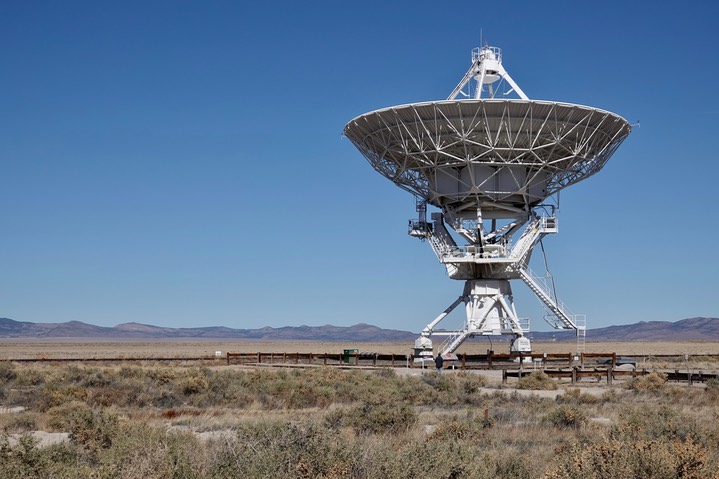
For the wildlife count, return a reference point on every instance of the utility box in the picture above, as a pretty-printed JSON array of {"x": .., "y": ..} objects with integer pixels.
[{"x": 347, "y": 354}]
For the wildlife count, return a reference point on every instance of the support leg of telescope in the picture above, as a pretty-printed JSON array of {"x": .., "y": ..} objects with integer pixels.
[
  {"x": 489, "y": 312},
  {"x": 423, "y": 345}
]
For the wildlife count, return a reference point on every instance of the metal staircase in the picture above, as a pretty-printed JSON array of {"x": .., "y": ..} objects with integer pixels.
[
  {"x": 438, "y": 246},
  {"x": 507, "y": 266},
  {"x": 558, "y": 316},
  {"x": 453, "y": 341},
  {"x": 527, "y": 240}
]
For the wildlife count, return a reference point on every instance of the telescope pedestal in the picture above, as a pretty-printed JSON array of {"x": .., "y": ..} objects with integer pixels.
[{"x": 490, "y": 311}]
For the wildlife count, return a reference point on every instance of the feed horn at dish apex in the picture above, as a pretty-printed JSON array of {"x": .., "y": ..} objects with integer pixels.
[{"x": 489, "y": 161}]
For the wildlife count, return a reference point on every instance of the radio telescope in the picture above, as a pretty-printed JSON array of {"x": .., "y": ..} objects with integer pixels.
[{"x": 492, "y": 162}]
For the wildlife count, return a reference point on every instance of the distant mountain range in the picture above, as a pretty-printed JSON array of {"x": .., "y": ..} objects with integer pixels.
[
  {"x": 692, "y": 329},
  {"x": 77, "y": 329}
]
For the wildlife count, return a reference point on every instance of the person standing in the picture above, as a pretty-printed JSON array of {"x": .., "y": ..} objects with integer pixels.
[{"x": 439, "y": 362}]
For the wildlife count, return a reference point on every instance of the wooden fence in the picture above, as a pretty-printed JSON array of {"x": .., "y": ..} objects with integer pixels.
[
  {"x": 574, "y": 367},
  {"x": 609, "y": 374},
  {"x": 464, "y": 361},
  {"x": 325, "y": 359}
]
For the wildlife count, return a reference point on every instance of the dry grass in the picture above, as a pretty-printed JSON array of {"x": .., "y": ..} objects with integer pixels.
[
  {"x": 190, "y": 422},
  {"x": 89, "y": 348},
  {"x": 92, "y": 348}
]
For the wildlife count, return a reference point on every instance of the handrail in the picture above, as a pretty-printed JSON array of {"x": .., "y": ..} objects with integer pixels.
[{"x": 553, "y": 304}]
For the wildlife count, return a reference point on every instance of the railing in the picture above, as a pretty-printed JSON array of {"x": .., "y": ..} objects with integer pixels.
[
  {"x": 581, "y": 321},
  {"x": 369, "y": 359},
  {"x": 560, "y": 317},
  {"x": 447, "y": 251},
  {"x": 321, "y": 359},
  {"x": 450, "y": 339},
  {"x": 419, "y": 229},
  {"x": 526, "y": 241},
  {"x": 548, "y": 224},
  {"x": 481, "y": 53},
  {"x": 522, "y": 323},
  {"x": 576, "y": 374}
]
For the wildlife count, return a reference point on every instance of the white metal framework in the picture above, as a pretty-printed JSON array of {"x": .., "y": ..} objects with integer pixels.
[
  {"x": 505, "y": 155},
  {"x": 488, "y": 164},
  {"x": 486, "y": 70}
]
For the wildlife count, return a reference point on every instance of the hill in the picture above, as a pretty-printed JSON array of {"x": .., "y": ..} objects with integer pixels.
[
  {"x": 692, "y": 329},
  {"x": 76, "y": 329}
]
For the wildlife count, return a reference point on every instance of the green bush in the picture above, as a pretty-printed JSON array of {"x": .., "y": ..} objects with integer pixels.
[
  {"x": 142, "y": 451},
  {"x": 652, "y": 422},
  {"x": 383, "y": 418},
  {"x": 653, "y": 381},
  {"x": 374, "y": 418},
  {"x": 470, "y": 383},
  {"x": 23, "y": 422},
  {"x": 60, "y": 418},
  {"x": 194, "y": 381},
  {"x": 712, "y": 385},
  {"x": 7, "y": 372},
  {"x": 387, "y": 373},
  {"x": 441, "y": 382},
  {"x": 26, "y": 461},
  {"x": 456, "y": 429},
  {"x": 28, "y": 377},
  {"x": 283, "y": 450},
  {"x": 566, "y": 416},
  {"x": 93, "y": 429},
  {"x": 612, "y": 459},
  {"x": 575, "y": 396},
  {"x": 537, "y": 380}
]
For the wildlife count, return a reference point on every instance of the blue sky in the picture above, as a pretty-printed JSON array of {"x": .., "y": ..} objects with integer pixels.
[{"x": 182, "y": 163}]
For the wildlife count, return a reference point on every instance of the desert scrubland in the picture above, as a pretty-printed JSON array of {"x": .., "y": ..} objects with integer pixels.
[{"x": 143, "y": 419}]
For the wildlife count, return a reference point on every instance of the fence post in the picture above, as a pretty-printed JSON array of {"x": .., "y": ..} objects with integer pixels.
[
  {"x": 610, "y": 375},
  {"x": 504, "y": 376},
  {"x": 574, "y": 375}
]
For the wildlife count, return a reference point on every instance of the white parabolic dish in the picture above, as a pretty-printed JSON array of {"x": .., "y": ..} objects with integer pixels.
[{"x": 502, "y": 156}]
